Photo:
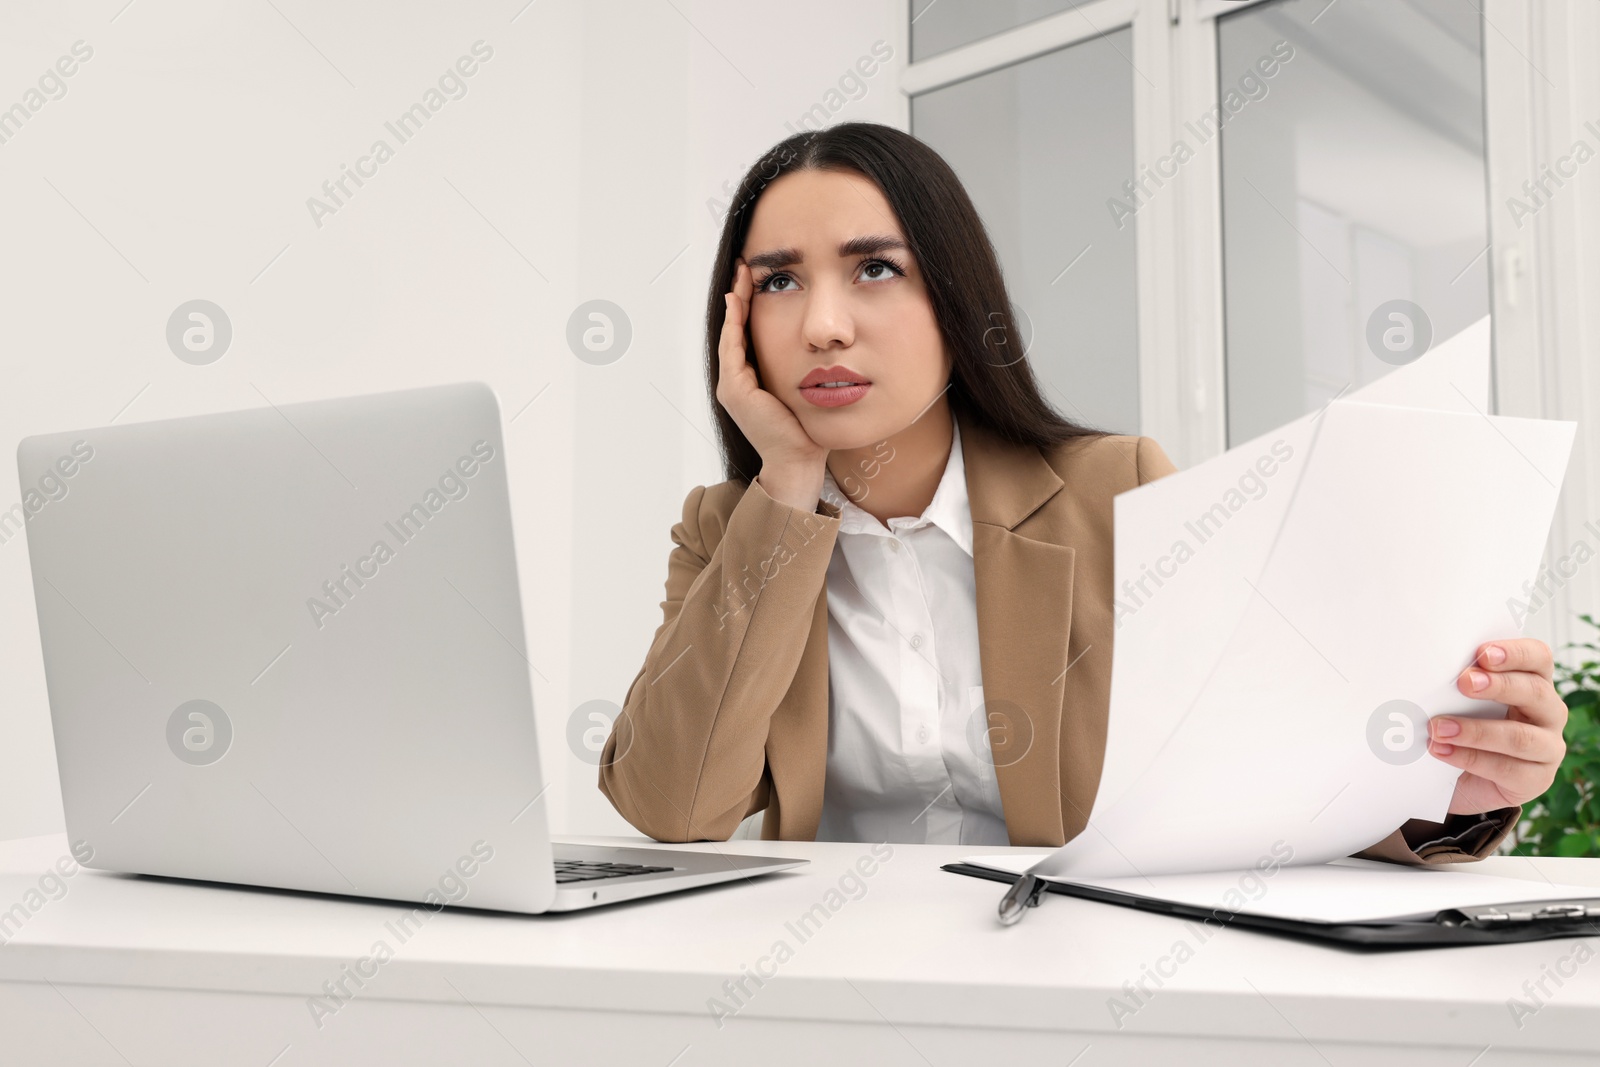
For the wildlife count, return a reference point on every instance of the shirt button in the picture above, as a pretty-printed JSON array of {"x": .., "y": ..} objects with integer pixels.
[
  {"x": 922, "y": 734},
  {"x": 894, "y": 544},
  {"x": 916, "y": 640}
]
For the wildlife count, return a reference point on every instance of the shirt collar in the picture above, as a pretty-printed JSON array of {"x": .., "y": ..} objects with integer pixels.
[{"x": 949, "y": 509}]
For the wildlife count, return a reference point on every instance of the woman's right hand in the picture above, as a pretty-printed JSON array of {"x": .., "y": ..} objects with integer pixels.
[{"x": 792, "y": 464}]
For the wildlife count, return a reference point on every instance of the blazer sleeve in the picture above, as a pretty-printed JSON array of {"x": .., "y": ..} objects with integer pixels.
[
  {"x": 686, "y": 758},
  {"x": 1420, "y": 842},
  {"x": 1152, "y": 461},
  {"x": 1458, "y": 839}
]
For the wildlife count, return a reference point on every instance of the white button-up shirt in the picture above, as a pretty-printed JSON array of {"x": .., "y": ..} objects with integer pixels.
[{"x": 908, "y": 751}]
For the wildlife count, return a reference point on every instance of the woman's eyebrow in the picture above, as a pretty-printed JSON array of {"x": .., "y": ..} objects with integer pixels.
[{"x": 867, "y": 244}]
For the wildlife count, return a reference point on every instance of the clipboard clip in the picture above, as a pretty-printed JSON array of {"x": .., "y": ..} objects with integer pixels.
[
  {"x": 1023, "y": 894},
  {"x": 1489, "y": 915}
]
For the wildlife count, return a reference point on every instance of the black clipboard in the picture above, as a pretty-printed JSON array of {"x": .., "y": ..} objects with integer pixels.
[{"x": 1486, "y": 924}]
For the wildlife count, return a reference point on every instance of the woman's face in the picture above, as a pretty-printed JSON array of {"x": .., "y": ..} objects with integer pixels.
[{"x": 835, "y": 286}]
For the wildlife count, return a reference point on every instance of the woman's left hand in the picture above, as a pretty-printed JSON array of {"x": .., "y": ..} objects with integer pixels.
[{"x": 1505, "y": 761}]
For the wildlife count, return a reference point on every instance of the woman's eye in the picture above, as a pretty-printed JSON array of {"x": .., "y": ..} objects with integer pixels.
[
  {"x": 887, "y": 269},
  {"x": 874, "y": 270}
]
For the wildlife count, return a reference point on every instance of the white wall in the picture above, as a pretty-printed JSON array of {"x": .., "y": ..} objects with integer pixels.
[{"x": 178, "y": 163}]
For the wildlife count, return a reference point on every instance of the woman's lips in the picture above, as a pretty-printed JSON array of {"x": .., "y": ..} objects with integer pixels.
[{"x": 825, "y": 396}]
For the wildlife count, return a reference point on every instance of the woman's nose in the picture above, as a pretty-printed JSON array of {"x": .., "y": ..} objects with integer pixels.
[{"x": 828, "y": 321}]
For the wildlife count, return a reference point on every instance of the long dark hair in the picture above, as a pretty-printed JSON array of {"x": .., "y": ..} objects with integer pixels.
[{"x": 990, "y": 383}]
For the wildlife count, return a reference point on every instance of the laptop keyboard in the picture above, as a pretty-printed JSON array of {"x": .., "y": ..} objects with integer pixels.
[{"x": 589, "y": 870}]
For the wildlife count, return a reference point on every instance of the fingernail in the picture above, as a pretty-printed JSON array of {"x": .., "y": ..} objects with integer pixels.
[
  {"x": 1494, "y": 654},
  {"x": 1443, "y": 749},
  {"x": 1477, "y": 679},
  {"x": 1446, "y": 727}
]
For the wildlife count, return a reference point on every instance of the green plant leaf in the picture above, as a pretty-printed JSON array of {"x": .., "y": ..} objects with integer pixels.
[
  {"x": 1562, "y": 801},
  {"x": 1574, "y": 844}
]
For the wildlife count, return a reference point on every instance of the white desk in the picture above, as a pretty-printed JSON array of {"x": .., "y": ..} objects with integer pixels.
[{"x": 915, "y": 971}]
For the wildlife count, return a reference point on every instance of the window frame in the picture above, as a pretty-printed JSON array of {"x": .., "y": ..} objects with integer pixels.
[
  {"x": 1539, "y": 88},
  {"x": 1179, "y": 372}
]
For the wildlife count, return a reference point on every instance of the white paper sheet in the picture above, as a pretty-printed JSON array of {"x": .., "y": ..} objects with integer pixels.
[
  {"x": 1272, "y": 599},
  {"x": 1345, "y": 890}
]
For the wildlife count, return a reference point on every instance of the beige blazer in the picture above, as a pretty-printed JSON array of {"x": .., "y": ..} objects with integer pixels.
[{"x": 729, "y": 714}]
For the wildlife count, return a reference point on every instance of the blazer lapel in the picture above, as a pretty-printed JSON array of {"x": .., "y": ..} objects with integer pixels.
[{"x": 1024, "y": 601}]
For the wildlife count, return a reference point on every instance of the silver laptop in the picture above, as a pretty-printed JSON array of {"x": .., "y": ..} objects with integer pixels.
[{"x": 284, "y": 647}]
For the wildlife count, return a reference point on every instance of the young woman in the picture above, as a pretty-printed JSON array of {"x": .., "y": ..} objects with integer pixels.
[{"x": 893, "y": 622}]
